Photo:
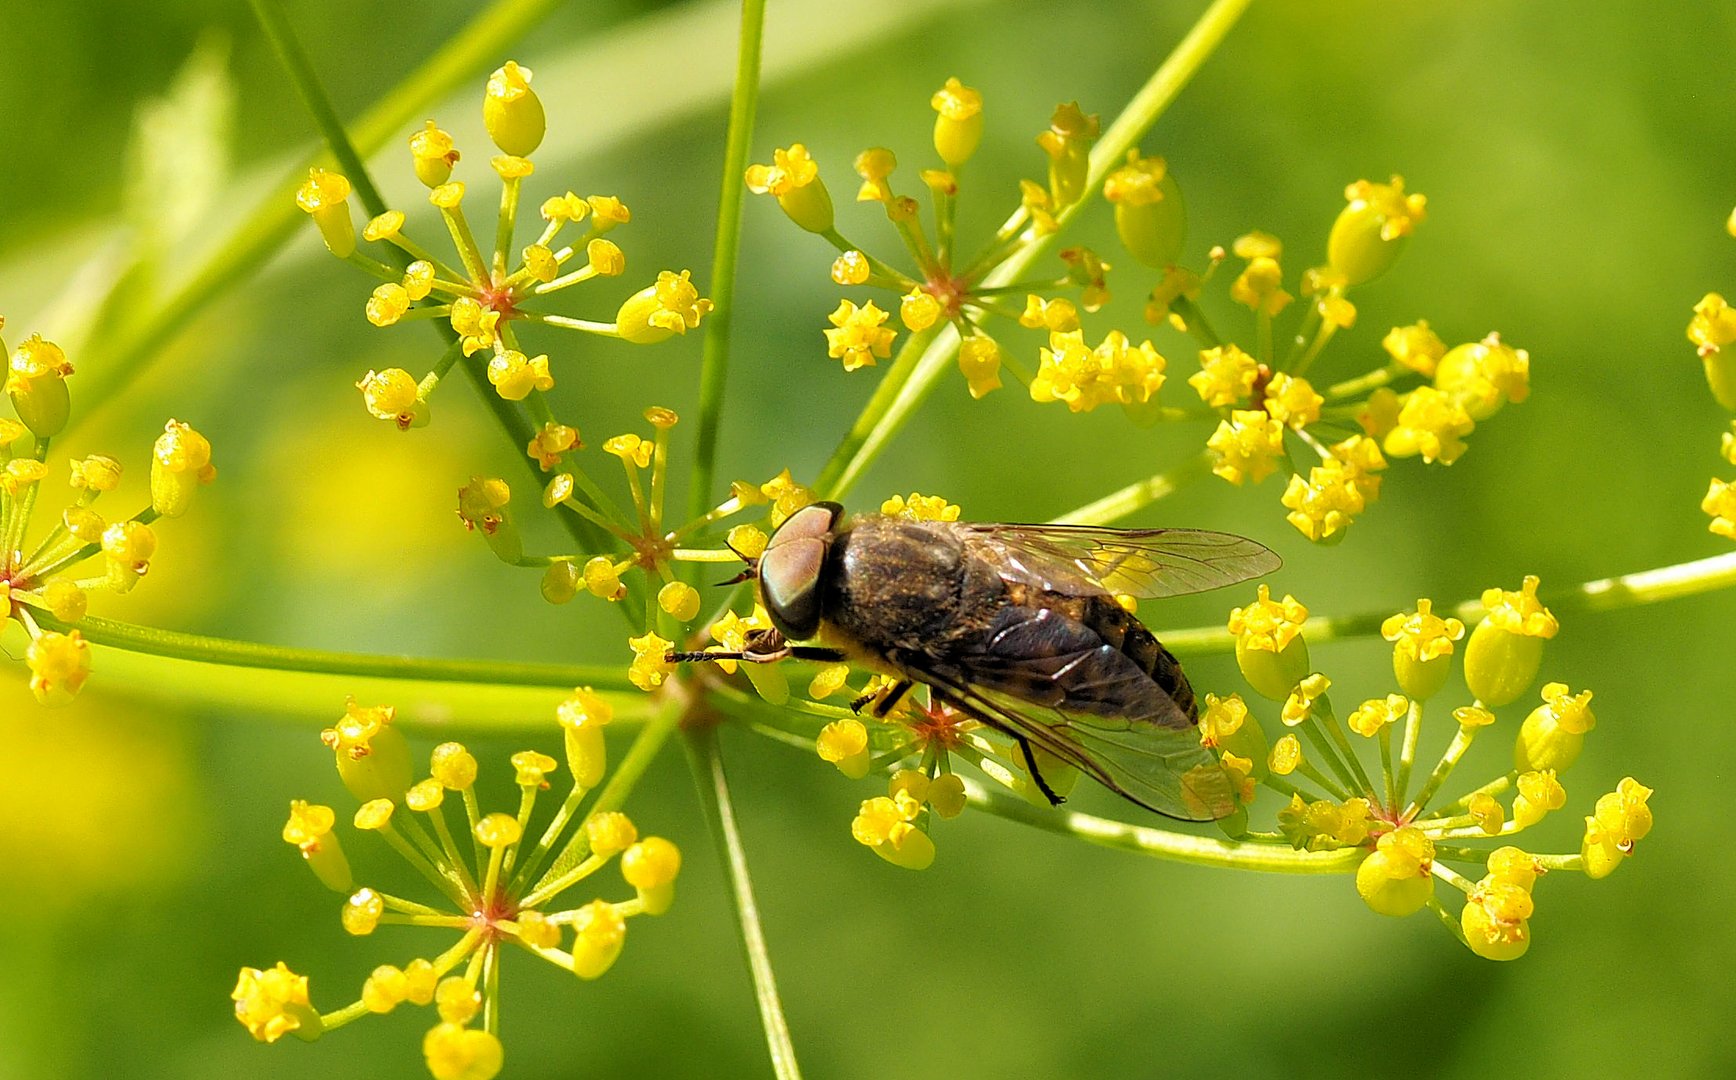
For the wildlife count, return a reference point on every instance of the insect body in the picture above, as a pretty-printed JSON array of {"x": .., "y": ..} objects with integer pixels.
[{"x": 1016, "y": 626}]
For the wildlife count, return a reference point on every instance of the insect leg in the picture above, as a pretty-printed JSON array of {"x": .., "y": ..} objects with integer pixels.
[
  {"x": 815, "y": 652},
  {"x": 891, "y": 698},
  {"x": 1036, "y": 774}
]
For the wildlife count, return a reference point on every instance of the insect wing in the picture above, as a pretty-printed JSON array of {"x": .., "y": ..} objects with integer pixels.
[
  {"x": 1160, "y": 766},
  {"x": 1147, "y": 563}
]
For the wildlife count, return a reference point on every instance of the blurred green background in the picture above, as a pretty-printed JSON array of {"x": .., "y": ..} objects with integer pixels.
[{"x": 1576, "y": 159}]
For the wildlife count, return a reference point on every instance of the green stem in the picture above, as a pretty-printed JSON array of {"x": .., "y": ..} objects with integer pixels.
[
  {"x": 706, "y": 759},
  {"x": 1605, "y": 594},
  {"x": 905, "y": 387},
  {"x": 714, "y": 355},
  {"x": 1163, "y": 844},
  {"x": 1136, "y": 496},
  {"x": 626, "y": 776},
  {"x": 252, "y": 654}
]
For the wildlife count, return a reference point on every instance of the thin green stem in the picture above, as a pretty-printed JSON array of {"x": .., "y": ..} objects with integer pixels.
[
  {"x": 709, "y": 777},
  {"x": 714, "y": 354},
  {"x": 1163, "y": 844},
  {"x": 1604, "y": 594},
  {"x": 626, "y": 776},
  {"x": 905, "y": 386},
  {"x": 1138, "y": 495}
]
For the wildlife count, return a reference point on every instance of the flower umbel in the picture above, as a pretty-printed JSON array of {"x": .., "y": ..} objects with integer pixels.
[{"x": 500, "y": 887}]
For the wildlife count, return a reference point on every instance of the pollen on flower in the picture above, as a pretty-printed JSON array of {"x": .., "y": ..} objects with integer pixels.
[
  {"x": 851, "y": 268},
  {"x": 858, "y": 337}
]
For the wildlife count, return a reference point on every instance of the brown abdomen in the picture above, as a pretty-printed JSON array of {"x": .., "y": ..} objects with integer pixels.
[{"x": 1122, "y": 631}]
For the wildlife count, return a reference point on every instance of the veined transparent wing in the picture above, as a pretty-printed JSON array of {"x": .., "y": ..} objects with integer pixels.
[{"x": 1147, "y": 563}]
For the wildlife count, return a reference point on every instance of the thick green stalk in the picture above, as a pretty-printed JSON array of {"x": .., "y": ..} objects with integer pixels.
[
  {"x": 706, "y": 759},
  {"x": 252, "y": 654},
  {"x": 714, "y": 357},
  {"x": 904, "y": 389}
]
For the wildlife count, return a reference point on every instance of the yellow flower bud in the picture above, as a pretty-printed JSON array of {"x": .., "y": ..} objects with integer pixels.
[
  {"x": 97, "y": 473},
  {"x": 128, "y": 546},
  {"x": 1395, "y": 879},
  {"x": 610, "y": 833},
  {"x": 680, "y": 600},
  {"x": 793, "y": 178},
  {"x": 273, "y": 1002},
  {"x": 59, "y": 665},
  {"x": 1269, "y": 646},
  {"x": 455, "y": 1052},
  {"x": 947, "y": 795},
  {"x": 453, "y": 765},
  {"x": 1539, "y": 793},
  {"x": 582, "y": 716},
  {"x": 482, "y": 506},
  {"x": 844, "y": 743},
  {"x": 1506, "y": 648},
  {"x": 362, "y": 911},
  {"x": 325, "y": 198},
  {"x": 651, "y": 866},
  {"x": 180, "y": 462},
  {"x": 1496, "y": 920},
  {"x": 599, "y": 932},
  {"x": 497, "y": 831},
  {"x": 603, "y": 579},
  {"x": 851, "y": 268},
  {"x": 1422, "y": 649},
  {"x": 1711, "y": 330},
  {"x": 653, "y": 314},
  {"x": 560, "y": 582},
  {"x": 1370, "y": 231},
  {"x": 309, "y": 828},
  {"x": 373, "y": 759},
  {"x": 1553, "y": 734},
  {"x": 1068, "y": 143},
  {"x": 958, "y": 127},
  {"x": 512, "y": 112},
  {"x": 1150, "y": 217},
  {"x": 434, "y": 156},
  {"x": 979, "y": 360},
  {"x": 36, "y": 383}
]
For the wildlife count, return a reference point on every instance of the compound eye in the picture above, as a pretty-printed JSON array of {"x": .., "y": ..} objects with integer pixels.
[
  {"x": 789, "y": 577},
  {"x": 813, "y": 520}
]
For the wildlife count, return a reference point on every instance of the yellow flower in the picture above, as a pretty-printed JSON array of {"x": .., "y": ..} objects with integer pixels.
[
  {"x": 1396, "y": 879},
  {"x": 859, "y": 336},
  {"x": 583, "y": 716},
  {"x": 273, "y": 1002},
  {"x": 672, "y": 306},
  {"x": 1261, "y": 287},
  {"x": 59, "y": 665},
  {"x": 1415, "y": 347},
  {"x": 1116, "y": 371},
  {"x": 1068, "y": 143},
  {"x": 1269, "y": 646},
  {"x": 1369, "y": 232},
  {"x": 1300, "y": 703},
  {"x": 1221, "y": 718},
  {"x": 1324, "y": 505},
  {"x": 431, "y": 149},
  {"x": 1621, "y": 818},
  {"x": 552, "y": 441},
  {"x": 874, "y": 165},
  {"x": 324, "y": 197},
  {"x": 1720, "y": 503},
  {"x": 1520, "y": 612},
  {"x": 1431, "y": 423},
  {"x": 650, "y": 866},
  {"x": 1150, "y": 218},
  {"x": 1713, "y": 325},
  {"x": 793, "y": 178},
  {"x": 1059, "y": 314},
  {"x": 1506, "y": 648},
  {"x": 180, "y": 463},
  {"x": 389, "y": 395},
  {"x": 844, "y": 743},
  {"x": 1553, "y": 734},
  {"x": 920, "y": 508},
  {"x": 309, "y": 828},
  {"x": 979, "y": 360},
  {"x": 1292, "y": 401},
  {"x": 1372, "y": 715},
  {"x": 1422, "y": 648},
  {"x": 455, "y": 1052},
  {"x": 514, "y": 375},
  {"x": 36, "y": 383},
  {"x": 1496, "y": 918},
  {"x": 1247, "y": 446},
  {"x": 1226, "y": 376},
  {"x": 885, "y": 824},
  {"x": 1484, "y": 375},
  {"x": 650, "y": 661}
]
